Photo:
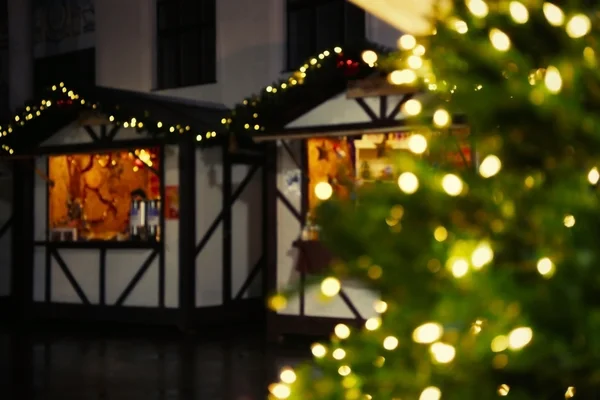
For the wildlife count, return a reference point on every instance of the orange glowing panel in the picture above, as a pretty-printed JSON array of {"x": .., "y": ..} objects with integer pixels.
[{"x": 92, "y": 192}]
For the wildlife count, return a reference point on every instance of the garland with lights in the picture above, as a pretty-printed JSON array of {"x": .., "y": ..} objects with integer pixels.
[
  {"x": 59, "y": 99},
  {"x": 488, "y": 280},
  {"x": 320, "y": 78}
]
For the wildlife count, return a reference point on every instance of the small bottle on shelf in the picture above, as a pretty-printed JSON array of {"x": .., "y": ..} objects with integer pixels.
[
  {"x": 134, "y": 220},
  {"x": 153, "y": 221}
]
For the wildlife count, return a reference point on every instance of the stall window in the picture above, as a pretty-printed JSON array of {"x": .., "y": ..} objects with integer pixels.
[
  {"x": 105, "y": 196},
  {"x": 346, "y": 163},
  {"x": 186, "y": 42},
  {"x": 317, "y": 25}
]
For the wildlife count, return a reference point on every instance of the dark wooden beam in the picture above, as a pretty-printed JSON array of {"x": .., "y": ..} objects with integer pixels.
[
  {"x": 398, "y": 107},
  {"x": 136, "y": 278},
  {"x": 22, "y": 237},
  {"x": 187, "y": 231},
  {"x": 350, "y": 305},
  {"x": 250, "y": 278},
  {"x": 213, "y": 227},
  {"x": 289, "y": 206},
  {"x": 113, "y": 132},
  {"x": 6, "y": 226},
  {"x": 227, "y": 204},
  {"x": 383, "y": 106},
  {"x": 102, "y": 278},
  {"x": 91, "y": 133},
  {"x": 103, "y": 132},
  {"x": 162, "y": 247},
  {"x": 69, "y": 275},
  {"x": 143, "y": 142},
  {"x": 363, "y": 104},
  {"x": 269, "y": 231}
]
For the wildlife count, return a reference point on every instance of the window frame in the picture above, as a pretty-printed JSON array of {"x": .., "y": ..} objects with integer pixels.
[
  {"x": 202, "y": 27},
  {"x": 297, "y": 5}
]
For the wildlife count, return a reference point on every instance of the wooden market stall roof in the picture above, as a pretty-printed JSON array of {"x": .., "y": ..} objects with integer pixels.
[
  {"x": 321, "y": 78},
  {"x": 152, "y": 114}
]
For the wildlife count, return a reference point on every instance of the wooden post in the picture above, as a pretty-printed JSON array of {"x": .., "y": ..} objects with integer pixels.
[
  {"x": 22, "y": 238},
  {"x": 227, "y": 225},
  {"x": 187, "y": 231}
]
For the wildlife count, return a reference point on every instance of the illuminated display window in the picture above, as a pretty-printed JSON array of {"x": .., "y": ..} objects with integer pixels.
[
  {"x": 347, "y": 162},
  {"x": 92, "y": 195}
]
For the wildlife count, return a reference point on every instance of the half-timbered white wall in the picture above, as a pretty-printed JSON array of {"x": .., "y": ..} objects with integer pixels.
[
  {"x": 246, "y": 236},
  {"x": 289, "y": 230},
  {"x": 121, "y": 264},
  {"x": 338, "y": 110},
  {"x": 341, "y": 110},
  {"x": 6, "y": 238}
]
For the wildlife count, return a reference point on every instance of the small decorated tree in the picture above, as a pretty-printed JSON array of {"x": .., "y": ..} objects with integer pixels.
[{"x": 489, "y": 279}]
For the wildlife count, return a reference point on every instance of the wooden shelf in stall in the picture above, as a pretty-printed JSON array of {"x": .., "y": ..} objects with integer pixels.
[{"x": 99, "y": 244}]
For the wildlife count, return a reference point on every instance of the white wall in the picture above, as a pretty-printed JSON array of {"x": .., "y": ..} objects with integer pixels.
[
  {"x": 6, "y": 239},
  {"x": 125, "y": 43},
  {"x": 288, "y": 230},
  {"x": 75, "y": 133},
  {"x": 251, "y": 46},
  {"x": 121, "y": 264},
  {"x": 246, "y": 229},
  {"x": 341, "y": 110}
]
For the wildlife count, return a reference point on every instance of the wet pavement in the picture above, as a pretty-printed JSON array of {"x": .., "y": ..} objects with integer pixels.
[{"x": 68, "y": 366}]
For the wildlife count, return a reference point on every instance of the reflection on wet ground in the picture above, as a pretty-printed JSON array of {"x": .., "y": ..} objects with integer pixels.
[{"x": 51, "y": 365}]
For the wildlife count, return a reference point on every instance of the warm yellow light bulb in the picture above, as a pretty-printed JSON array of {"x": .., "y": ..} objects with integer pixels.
[
  {"x": 503, "y": 390},
  {"x": 499, "y": 39},
  {"x": 570, "y": 393},
  {"x": 419, "y": 50},
  {"x": 431, "y": 393},
  {"x": 554, "y": 15},
  {"x": 373, "y": 323},
  {"x": 339, "y": 354},
  {"x": 518, "y": 12},
  {"x": 460, "y": 26},
  {"x": 344, "y": 370},
  {"x": 578, "y": 26},
  {"x": 330, "y": 286},
  {"x": 519, "y": 338},
  {"x": 553, "y": 80},
  {"x": 407, "y": 42},
  {"x": 490, "y": 166},
  {"x": 441, "y": 118},
  {"x": 482, "y": 255},
  {"x": 415, "y": 62},
  {"x": 499, "y": 344},
  {"x": 413, "y": 107},
  {"x": 402, "y": 77},
  {"x": 408, "y": 182},
  {"x": 428, "y": 333},
  {"x": 545, "y": 267},
  {"x": 417, "y": 143},
  {"x": 440, "y": 234},
  {"x": 380, "y": 306},
  {"x": 369, "y": 57},
  {"x": 478, "y": 8},
  {"x": 323, "y": 190},
  {"x": 342, "y": 331},
  {"x": 390, "y": 343},
  {"x": 459, "y": 267},
  {"x": 452, "y": 184},
  {"x": 318, "y": 350},
  {"x": 280, "y": 391},
  {"x": 287, "y": 375},
  {"x": 593, "y": 176},
  {"x": 569, "y": 221},
  {"x": 442, "y": 353}
]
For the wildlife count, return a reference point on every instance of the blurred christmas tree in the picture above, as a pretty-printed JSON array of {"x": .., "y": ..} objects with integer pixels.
[{"x": 489, "y": 279}]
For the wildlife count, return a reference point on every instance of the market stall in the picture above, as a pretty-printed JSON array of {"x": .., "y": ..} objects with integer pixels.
[
  {"x": 348, "y": 133},
  {"x": 133, "y": 210}
]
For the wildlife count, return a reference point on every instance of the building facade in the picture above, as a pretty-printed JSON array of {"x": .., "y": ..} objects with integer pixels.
[{"x": 197, "y": 50}]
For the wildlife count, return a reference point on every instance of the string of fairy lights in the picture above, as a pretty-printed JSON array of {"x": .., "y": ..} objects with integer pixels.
[
  {"x": 61, "y": 96},
  {"x": 417, "y": 72}
]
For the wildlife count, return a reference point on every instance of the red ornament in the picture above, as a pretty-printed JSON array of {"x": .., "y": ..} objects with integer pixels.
[{"x": 348, "y": 65}]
